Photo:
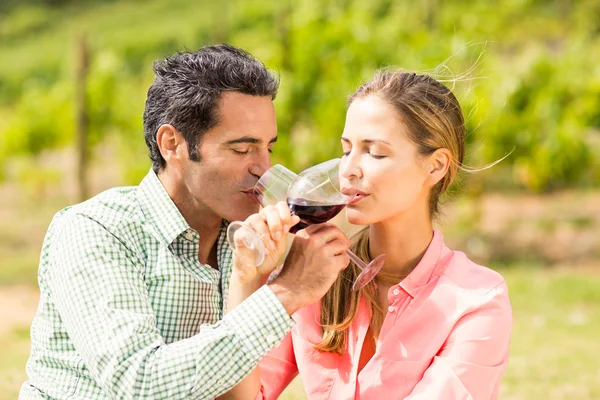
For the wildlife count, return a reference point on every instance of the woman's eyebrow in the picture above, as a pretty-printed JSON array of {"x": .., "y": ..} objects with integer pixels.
[{"x": 368, "y": 141}]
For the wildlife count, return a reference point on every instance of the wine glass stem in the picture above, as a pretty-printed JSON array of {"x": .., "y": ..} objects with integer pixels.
[{"x": 360, "y": 263}]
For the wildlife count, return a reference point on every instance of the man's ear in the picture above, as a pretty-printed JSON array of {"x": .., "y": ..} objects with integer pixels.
[
  {"x": 437, "y": 165},
  {"x": 172, "y": 145}
]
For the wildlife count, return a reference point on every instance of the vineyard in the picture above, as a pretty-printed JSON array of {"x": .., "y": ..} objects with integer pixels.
[
  {"x": 73, "y": 81},
  {"x": 525, "y": 71}
]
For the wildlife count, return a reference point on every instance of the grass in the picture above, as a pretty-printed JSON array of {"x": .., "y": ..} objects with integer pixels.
[
  {"x": 556, "y": 329},
  {"x": 556, "y": 310},
  {"x": 12, "y": 363},
  {"x": 557, "y": 323}
]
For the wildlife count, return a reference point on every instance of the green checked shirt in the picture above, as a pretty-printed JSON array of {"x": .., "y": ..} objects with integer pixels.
[{"x": 128, "y": 311}]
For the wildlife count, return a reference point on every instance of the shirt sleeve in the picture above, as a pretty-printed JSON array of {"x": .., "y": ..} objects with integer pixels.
[
  {"x": 98, "y": 288},
  {"x": 277, "y": 369},
  {"x": 471, "y": 363}
]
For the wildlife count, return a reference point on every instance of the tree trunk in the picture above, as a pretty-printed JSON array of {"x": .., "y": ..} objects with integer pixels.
[{"x": 82, "y": 117}]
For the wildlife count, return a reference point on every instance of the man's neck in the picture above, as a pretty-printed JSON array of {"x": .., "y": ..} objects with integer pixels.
[{"x": 199, "y": 217}]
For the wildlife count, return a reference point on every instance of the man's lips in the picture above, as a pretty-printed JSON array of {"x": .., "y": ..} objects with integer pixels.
[{"x": 250, "y": 194}]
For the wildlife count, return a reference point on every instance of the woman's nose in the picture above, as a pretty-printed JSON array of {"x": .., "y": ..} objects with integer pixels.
[{"x": 350, "y": 167}]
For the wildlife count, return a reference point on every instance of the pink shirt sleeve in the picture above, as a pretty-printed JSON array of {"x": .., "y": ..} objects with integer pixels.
[
  {"x": 471, "y": 363},
  {"x": 277, "y": 369}
]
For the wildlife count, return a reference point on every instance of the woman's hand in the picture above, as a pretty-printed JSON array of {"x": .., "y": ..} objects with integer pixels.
[{"x": 272, "y": 224}]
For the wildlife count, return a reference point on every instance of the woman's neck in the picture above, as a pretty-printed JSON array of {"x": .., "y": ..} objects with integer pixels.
[{"x": 403, "y": 239}]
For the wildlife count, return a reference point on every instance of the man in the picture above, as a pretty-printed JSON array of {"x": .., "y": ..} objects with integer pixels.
[{"x": 133, "y": 281}]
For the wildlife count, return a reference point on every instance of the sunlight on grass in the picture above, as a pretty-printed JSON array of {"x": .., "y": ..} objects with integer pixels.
[
  {"x": 557, "y": 324},
  {"x": 15, "y": 351}
]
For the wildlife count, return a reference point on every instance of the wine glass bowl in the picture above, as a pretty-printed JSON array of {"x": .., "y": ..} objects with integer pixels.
[{"x": 314, "y": 195}]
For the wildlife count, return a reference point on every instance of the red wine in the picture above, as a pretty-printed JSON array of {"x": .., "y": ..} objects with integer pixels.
[{"x": 311, "y": 213}]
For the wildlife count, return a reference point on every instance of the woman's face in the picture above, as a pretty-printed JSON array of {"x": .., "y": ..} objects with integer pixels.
[{"x": 380, "y": 164}]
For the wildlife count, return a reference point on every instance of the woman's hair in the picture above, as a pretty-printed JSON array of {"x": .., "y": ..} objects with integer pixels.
[{"x": 434, "y": 120}]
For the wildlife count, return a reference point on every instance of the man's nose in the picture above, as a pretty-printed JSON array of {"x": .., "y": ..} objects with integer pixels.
[{"x": 261, "y": 164}]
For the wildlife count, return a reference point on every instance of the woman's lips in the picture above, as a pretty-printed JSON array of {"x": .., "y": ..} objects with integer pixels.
[{"x": 357, "y": 197}]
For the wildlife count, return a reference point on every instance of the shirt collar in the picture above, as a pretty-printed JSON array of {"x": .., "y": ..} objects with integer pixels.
[
  {"x": 160, "y": 209},
  {"x": 432, "y": 260}
]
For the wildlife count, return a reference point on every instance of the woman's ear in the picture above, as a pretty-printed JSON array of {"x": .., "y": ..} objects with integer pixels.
[
  {"x": 437, "y": 165},
  {"x": 172, "y": 145}
]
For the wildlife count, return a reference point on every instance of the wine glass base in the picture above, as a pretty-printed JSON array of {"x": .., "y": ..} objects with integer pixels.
[
  {"x": 367, "y": 274},
  {"x": 246, "y": 243}
]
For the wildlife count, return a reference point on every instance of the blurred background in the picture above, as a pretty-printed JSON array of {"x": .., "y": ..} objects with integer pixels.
[{"x": 73, "y": 80}]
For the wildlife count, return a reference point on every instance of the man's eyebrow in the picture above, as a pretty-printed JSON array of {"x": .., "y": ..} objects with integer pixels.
[
  {"x": 368, "y": 141},
  {"x": 249, "y": 139}
]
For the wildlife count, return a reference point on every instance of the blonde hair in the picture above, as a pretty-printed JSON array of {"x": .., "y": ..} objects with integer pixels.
[{"x": 434, "y": 120}]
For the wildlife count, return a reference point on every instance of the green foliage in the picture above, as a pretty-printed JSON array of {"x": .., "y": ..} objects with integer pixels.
[{"x": 534, "y": 87}]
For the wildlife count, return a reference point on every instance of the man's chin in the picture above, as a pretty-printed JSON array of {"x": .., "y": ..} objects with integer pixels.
[{"x": 240, "y": 213}]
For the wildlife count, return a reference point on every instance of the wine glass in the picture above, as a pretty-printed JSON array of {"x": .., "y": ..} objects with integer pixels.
[
  {"x": 271, "y": 188},
  {"x": 314, "y": 196}
]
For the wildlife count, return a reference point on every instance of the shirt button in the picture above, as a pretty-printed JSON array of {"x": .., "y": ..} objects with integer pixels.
[
  {"x": 391, "y": 309},
  {"x": 189, "y": 235},
  {"x": 396, "y": 292}
]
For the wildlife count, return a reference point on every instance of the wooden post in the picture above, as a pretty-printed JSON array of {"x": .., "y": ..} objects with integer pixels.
[
  {"x": 220, "y": 26},
  {"x": 81, "y": 116},
  {"x": 283, "y": 23},
  {"x": 431, "y": 13},
  {"x": 564, "y": 8}
]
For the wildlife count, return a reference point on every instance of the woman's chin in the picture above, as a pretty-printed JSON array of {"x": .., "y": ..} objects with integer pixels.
[{"x": 355, "y": 217}]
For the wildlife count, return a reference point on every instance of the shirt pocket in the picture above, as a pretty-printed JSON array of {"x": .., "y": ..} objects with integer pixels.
[
  {"x": 318, "y": 370},
  {"x": 396, "y": 379}
]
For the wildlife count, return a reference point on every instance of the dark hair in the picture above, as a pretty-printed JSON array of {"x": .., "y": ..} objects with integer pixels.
[
  {"x": 188, "y": 86},
  {"x": 432, "y": 114},
  {"x": 434, "y": 119}
]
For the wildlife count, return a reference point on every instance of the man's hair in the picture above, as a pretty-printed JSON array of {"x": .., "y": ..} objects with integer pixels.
[{"x": 188, "y": 86}]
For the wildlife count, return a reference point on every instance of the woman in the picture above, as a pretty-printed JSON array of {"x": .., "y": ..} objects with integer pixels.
[{"x": 433, "y": 324}]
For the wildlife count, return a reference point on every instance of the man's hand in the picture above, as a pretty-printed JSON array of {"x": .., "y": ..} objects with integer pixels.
[
  {"x": 312, "y": 266},
  {"x": 272, "y": 224}
]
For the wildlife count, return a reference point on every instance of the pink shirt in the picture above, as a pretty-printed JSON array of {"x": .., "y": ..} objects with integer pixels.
[{"x": 445, "y": 336}]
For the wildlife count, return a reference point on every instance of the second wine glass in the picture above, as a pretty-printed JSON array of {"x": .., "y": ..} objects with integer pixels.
[{"x": 314, "y": 196}]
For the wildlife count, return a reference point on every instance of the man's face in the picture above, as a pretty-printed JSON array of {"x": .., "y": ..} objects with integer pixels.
[{"x": 234, "y": 154}]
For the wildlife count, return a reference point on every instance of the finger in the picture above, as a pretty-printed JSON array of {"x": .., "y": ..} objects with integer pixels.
[
  {"x": 284, "y": 211},
  {"x": 287, "y": 218},
  {"x": 312, "y": 229},
  {"x": 336, "y": 247},
  {"x": 273, "y": 218},
  {"x": 328, "y": 234},
  {"x": 245, "y": 253},
  {"x": 258, "y": 223},
  {"x": 344, "y": 260}
]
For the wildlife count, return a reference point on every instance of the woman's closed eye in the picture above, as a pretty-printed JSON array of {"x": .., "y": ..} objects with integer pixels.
[
  {"x": 376, "y": 156},
  {"x": 372, "y": 154}
]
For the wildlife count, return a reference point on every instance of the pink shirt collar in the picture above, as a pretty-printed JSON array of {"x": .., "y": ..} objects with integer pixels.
[{"x": 429, "y": 266}]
